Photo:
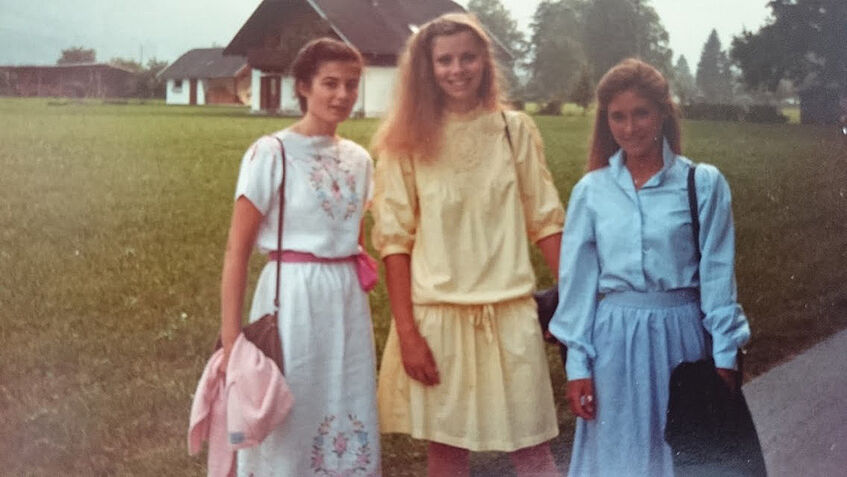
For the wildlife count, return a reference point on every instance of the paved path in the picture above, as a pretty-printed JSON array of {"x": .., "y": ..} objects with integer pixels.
[{"x": 800, "y": 411}]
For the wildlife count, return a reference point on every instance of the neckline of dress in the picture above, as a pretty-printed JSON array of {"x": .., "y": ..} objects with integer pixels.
[
  {"x": 317, "y": 138},
  {"x": 467, "y": 116}
]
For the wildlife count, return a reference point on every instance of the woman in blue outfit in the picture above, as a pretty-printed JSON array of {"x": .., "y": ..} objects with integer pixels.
[{"x": 634, "y": 299}]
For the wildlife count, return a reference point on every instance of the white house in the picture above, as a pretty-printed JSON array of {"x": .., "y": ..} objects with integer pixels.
[
  {"x": 378, "y": 28},
  {"x": 206, "y": 76}
]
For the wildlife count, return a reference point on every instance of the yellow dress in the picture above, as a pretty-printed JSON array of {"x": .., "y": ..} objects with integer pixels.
[{"x": 466, "y": 218}]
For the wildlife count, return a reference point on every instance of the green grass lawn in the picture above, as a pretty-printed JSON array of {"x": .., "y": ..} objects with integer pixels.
[
  {"x": 114, "y": 221},
  {"x": 792, "y": 113}
]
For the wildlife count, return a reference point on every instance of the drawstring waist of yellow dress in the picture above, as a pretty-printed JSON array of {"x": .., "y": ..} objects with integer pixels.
[{"x": 482, "y": 317}]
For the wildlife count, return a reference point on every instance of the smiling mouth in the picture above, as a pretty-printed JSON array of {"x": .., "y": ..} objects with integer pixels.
[{"x": 459, "y": 83}]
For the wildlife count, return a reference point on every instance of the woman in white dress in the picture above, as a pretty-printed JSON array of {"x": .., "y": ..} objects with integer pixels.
[{"x": 324, "y": 317}]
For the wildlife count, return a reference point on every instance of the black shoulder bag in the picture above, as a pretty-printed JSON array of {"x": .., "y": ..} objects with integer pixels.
[{"x": 709, "y": 428}]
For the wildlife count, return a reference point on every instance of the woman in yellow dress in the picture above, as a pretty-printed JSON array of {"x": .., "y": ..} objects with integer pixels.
[{"x": 461, "y": 189}]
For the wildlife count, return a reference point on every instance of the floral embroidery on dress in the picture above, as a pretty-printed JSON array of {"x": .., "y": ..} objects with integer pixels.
[
  {"x": 335, "y": 185},
  {"x": 348, "y": 446}
]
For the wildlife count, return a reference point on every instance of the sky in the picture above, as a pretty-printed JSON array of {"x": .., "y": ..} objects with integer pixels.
[{"x": 34, "y": 32}]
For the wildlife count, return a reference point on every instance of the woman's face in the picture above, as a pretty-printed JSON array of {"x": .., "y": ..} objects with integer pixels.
[
  {"x": 458, "y": 64},
  {"x": 636, "y": 123},
  {"x": 333, "y": 91}
]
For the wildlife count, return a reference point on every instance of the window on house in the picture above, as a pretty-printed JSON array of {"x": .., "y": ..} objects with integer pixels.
[{"x": 178, "y": 85}]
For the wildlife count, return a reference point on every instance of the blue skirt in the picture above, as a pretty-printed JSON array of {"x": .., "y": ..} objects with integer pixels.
[{"x": 639, "y": 338}]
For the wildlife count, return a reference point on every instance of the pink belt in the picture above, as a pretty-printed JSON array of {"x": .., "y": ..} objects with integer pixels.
[{"x": 366, "y": 267}]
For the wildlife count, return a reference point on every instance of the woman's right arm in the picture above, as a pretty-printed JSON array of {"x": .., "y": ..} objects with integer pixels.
[
  {"x": 242, "y": 235},
  {"x": 417, "y": 357},
  {"x": 573, "y": 322},
  {"x": 395, "y": 212},
  {"x": 258, "y": 183}
]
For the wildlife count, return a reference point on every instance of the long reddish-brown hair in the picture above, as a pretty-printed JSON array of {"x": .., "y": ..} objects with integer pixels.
[
  {"x": 414, "y": 124},
  {"x": 646, "y": 81}
]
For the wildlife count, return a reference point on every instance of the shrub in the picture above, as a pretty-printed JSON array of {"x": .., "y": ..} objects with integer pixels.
[
  {"x": 714, "y": 112},
  {"x": 517, "y": 104},
  {"x": 551, "y": 108},
  {"x": 765, "y": 113}
]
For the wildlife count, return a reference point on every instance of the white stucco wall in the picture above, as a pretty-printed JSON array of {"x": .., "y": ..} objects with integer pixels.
[
  {"x": 201, "y": 91},
  {"x": 174, "y": 95},
  {"x": 182, "y": 95},
  {"x": 256, "y": 88},
  {"x": 375, "y": 92},
  {"x": 287, "y": 98}
]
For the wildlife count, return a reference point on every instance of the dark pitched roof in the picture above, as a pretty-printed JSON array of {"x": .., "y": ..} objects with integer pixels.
[
  {"x": 204, "y": 63},
  {"x": 375, "y": 27}
]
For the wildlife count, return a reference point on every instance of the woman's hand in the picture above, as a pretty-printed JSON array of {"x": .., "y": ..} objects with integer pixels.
[
  {"x": 580, "y": 394},
  {"x": 729, "y": 377},
  {"x": 417, "y": 359}
]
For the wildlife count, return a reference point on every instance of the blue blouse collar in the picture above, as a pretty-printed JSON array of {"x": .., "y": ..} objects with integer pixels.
[{"x": 616, "y": 165}]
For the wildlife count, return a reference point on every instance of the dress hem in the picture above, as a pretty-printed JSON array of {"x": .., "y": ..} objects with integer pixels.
[{"x": 490, "y": 446}]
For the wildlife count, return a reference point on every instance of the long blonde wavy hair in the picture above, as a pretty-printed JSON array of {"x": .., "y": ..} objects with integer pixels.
[{"x": 414, "y": 124}]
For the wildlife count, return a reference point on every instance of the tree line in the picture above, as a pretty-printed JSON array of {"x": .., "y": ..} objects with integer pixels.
[{"x": 573, "y": 42}]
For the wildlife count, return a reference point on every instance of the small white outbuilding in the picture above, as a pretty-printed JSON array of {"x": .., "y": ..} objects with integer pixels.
[{"x": 206, "y": 76}]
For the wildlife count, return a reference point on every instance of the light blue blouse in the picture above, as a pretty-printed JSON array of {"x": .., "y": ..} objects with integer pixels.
[{"x": 619, "y": 239}]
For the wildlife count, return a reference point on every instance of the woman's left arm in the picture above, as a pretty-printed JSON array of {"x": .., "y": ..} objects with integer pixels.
[
  {"x": 724, "y": 317},
  {"x": 543, "y": 211},
  {"x": 550, "y": 247}
]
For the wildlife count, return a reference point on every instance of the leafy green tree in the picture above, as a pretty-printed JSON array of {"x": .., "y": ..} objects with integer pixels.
[
  {"x": 653, "y": 41},
  {"x": 149, "y": 83},
  {"x": 126, "y": 63},
  {"x": 804, "y": 42},
  {"x": 582, "y": 92},
  {"x": 500, "y": 24},
  {"x": 556, "y": 49},
  {"x": 619, "y": 29},
  {"x": 714, "y": 76},
  {"x": 77, "y": 54},
  {"x": 683, "y": 82}
]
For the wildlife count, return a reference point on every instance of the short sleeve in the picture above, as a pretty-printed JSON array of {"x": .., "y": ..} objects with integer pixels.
[
  {"x": 369, "y": 182},
  {"x": 542, "y": 208},
  {"x": 394, "y": 207},
  {"x": 258, "y": 178}
]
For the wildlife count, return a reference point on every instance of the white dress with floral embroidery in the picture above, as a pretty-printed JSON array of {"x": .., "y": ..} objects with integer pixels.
[{"x": 325, "y": 322}]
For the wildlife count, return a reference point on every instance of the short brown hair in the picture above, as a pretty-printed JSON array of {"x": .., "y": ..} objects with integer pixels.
[
  {"x": 315, "y": 53},
  {"x": 645, "y": 80}
]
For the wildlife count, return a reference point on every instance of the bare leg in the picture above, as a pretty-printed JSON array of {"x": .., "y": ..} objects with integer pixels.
[
  {"x": 444, "y": 460},
  {"x": 535, "y": 461}
]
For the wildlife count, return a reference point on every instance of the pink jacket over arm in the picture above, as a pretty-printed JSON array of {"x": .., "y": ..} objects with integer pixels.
[{"x": 238, "y": 409}]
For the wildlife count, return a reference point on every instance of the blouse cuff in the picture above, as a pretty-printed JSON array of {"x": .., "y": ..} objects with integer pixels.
[
  {"x": 577, "y": 366},
  {"x": 726, "y": 359}
]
